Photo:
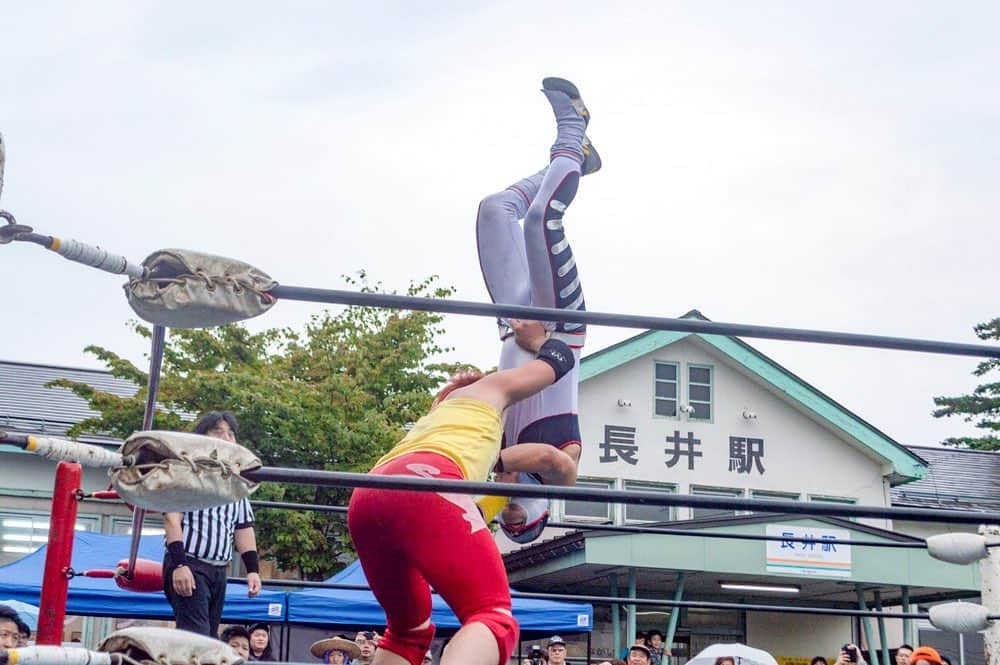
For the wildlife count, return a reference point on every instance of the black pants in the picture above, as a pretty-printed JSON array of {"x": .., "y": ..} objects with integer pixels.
[{"x": 200, "y": 612}]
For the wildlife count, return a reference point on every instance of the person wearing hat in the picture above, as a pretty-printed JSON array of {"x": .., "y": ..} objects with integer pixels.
[
  {"x": 639, "y": 654},
  {"x": 925, "y": 656},
  {"x": 336, "y": 650},
  {"x": 557, "y": 650}
]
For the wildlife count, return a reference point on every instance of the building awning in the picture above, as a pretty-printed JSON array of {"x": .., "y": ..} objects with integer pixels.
[{"x": 587, "y": 561}]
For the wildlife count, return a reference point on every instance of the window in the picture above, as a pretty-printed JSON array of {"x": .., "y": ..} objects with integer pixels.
[
  {"x": 23, "y": 533},
  {"x": 700, "y": 392},
  {"x": 763, "y": 495},
  {"x": 665, "y": 396},
  {"x": 643, "y": 513},
  {"x": 816, "y": 498},
  {"x": 589, "y": 511},
  {"x": 774, "y": 496},
  {"x": 151, "y": 526},
  {"x": 831, "y": 499},
  {"x": 698, "y": 513}
]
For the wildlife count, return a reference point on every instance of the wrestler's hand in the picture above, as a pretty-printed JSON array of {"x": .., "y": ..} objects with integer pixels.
[
  {"x": 183, "y": 581},
  {"x": 530, "y": 335},
  {"x": 253, "y": 584}
]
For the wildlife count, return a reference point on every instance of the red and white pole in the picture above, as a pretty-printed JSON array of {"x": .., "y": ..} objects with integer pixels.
[{"x": 62, "y": 525}]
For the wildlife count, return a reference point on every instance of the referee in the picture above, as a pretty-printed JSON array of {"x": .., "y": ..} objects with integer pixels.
[{"x": 200, "y": 547}]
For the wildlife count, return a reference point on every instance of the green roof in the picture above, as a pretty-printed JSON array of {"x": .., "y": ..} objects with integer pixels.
[{"x": 906, "y": 465}]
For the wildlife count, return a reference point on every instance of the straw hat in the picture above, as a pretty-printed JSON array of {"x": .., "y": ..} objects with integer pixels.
[{"x": 338, "y": 643}]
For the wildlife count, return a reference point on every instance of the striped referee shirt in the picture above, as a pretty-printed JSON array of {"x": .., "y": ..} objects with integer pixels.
[{"x": 208, "y": 534}]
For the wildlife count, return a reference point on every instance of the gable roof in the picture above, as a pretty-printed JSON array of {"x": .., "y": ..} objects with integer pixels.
[
  {"x": 958, "y": 478},
  {"x": 907, "y": 465},
  {"x": 26, "y": 405}
]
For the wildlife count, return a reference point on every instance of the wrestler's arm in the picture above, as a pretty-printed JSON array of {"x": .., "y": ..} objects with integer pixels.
[
  {"x": 553, "y": 465},
  {"x": 501, "y": 389}
]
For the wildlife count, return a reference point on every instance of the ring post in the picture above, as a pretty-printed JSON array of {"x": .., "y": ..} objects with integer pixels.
[
  {"x": 55, "y": 585},
  {"x": 152, "y": 387}
]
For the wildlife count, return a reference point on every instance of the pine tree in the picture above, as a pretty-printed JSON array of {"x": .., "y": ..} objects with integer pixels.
[{"x": 981, "y": 407}]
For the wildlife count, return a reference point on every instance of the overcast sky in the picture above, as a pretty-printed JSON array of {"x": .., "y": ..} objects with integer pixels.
[{"x": 828, "y": 165}]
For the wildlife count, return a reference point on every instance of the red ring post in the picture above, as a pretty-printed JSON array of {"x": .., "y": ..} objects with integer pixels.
[{"x": 62, "y": 525}]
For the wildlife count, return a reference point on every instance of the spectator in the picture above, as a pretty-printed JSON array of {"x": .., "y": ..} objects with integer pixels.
[
  {"x": 238, "y": 638},
  {"x": 849, "y": 655},
  {"x": 366, "y": 641},
  {"x": 336, "y": 650},
  {"x": 14, "y": 631},
  {"x": 260, "y": 642},
  {"x": 200, "y": 546},
  {"x": 640, "y": 638},
  {"x": 925, "y": 656},
  {"x": 818, "y": 660},
  {"x": 428, "y": 658},
  {"x": 536, "y": 656},
  {"x": 654, "y": 640},
  {"x": 903, "y": 653},
  {"x": 639, "y": 654},
  {"x": 556, "y": 650}
]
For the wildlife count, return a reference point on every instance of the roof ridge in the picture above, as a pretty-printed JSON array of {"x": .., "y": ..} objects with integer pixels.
[
  {"x": 62, "y": 367},
  {"x": 955, "y": 449}
]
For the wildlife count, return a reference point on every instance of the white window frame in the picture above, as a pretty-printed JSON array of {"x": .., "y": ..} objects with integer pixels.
[
  {"x": 716, "y": 490},
  {"x": 666, "y": 488},
  {"x": 774, "y": 495},
  {"x": 677, "y": 389},
  {"x": 92, "y": 520},
  {"x": 711, "y": 391},
  {"x": 151, "y": 525},
  {"x": 843, "y": 500},
  {"x": 606, "y": 483}
]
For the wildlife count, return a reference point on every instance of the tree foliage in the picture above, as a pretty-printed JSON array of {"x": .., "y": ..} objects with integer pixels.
[
  {"x": 335, "y": 395},
  {"x": 981, "y": 407}
]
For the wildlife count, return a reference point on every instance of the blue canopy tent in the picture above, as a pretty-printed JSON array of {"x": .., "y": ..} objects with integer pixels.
[
  {"x": 22, "y": 581},
  {"x": 355, "y": 608}
]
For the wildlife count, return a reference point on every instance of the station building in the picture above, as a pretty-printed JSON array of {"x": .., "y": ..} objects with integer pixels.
[
  {"x": 711, "y": 416},
  {"x": 674, "y": 413}
]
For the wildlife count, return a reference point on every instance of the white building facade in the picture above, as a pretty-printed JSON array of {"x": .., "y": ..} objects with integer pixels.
[{"x": 709, "y": 415}]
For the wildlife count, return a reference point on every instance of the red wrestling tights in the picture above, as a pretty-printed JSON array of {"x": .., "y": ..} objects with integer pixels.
[{"x": 409, "y": 542}]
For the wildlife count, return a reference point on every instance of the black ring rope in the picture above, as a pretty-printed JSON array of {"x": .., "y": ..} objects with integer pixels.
[
  {"x": 636, "y": 528},
  {"x": 632, "y": 497},
  {"x": 340, "y": 297}
]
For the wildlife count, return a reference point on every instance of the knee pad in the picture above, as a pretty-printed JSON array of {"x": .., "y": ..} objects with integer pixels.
[
  {"x": 501, "y": 622},
  {"x": 409, "y": 644}
]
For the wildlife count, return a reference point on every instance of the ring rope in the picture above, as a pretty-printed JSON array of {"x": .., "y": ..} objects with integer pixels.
[{"x": 597, "y": 495}]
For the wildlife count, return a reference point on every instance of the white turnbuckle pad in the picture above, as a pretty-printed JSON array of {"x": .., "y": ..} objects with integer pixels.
[
  {"x": 154, "y": 645},
  {"x": 186, "y": 289},
  {"x": 181, "y": 472}
]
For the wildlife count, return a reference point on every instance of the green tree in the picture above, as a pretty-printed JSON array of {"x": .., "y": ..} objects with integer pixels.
[
  {"x": 981, "y": 407},
  {"x": 335, "y": 395}
]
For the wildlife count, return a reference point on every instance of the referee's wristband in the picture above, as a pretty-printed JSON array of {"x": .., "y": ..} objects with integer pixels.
[
  {"x": 251, "y": 561},
  {"x": 177, "y": 555},
  {"x": 557, "y": 354}
]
